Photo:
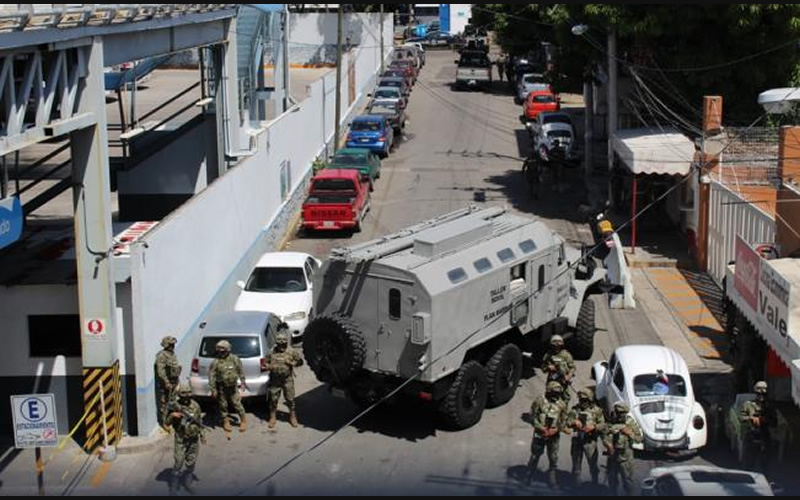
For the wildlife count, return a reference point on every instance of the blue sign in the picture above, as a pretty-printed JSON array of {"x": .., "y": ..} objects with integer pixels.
[
  {"x": 10, "y": 221},
  {"x": 444, "y": 17}
]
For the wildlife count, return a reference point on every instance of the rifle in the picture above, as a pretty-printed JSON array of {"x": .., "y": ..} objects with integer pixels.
[{"x": 174, "y": 407}]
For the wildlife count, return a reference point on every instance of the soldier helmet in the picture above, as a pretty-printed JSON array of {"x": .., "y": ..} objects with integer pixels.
[
  {"x": 556, "y": 340},
  {"x": 184, "y": 389},
  {"x": 760, "y": 387},
  {"x": 586, "y": 392},
  {"x": 224, "y": 345},
  {"x": 620, "y": 407},
  {"x": 168, "y": 341},
  {"x": 282, "y": 338},
  {"x": 554, "y": 387}
]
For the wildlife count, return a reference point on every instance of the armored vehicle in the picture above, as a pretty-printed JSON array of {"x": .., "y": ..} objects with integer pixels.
[{"x": 448, "y": 306}]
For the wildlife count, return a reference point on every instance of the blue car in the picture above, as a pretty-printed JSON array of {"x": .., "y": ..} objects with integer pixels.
[{"x": 371, "y": 132}]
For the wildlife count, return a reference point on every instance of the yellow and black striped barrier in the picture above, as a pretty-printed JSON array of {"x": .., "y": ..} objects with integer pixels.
[{"x": 102, "y": 397}]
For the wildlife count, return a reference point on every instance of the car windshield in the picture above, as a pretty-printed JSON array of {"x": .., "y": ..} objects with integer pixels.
[
  {"x": 381, "y": 110},
  {"x": 544, "y": 98},
  {"x": 477, "y": 60},
  {"x": 333, "y": 185},
  {"x": 556, "y": 119},
  {"x": 388, "y": 94},
  {"x": 391, "y": 83},
  {"x": 348, "y": 159},
  {"x": 276, "y": 280},
  {"x": 366, "y": 126},
  {"x": 559, "y": 134},
  {"x": 244, "y": 346},
  {"x": 530, "y": 79},
  {"x": 659, "y": 385}
]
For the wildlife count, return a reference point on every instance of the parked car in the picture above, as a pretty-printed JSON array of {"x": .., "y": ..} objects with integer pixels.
[
  {"x": 530, "y": 82},
  {"x": 337, "y": 199},
  {"x": 554, "y": 135},
  {"x": 252, "y": 336},
  {"x": 408, "y": 52},
  {"x": 363, "y": 160},
  {"x": 474, "y": 69},
  {"x": 701, "y": 480},
  {"x": 281, "y": 284},
  {"x": 395, "y": 72},
  {"x": 393, "y": 81},
  {"x": 546, "y": 118},
  {"x": 437, "y": 39},
  {"x": 406, "y": 65},
  {"x": 654, "y": 382},
  {"x": 419, "y": 50},
  {"x": 392, "y": 111},
  {"x": 539, "y": 101},
  {"x": 372, "y": 132},
  {"x": 390, "y": 94}
]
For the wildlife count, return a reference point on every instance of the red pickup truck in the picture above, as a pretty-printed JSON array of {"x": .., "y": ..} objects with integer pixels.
[{"x": 337, "y": 199}]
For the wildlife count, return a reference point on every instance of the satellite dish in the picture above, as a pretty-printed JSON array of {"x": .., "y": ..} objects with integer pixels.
[{"x": 779, "y": 101}]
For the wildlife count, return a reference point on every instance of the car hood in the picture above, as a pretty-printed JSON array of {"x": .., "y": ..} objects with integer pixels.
[
  {"x": 280, "y": 304},
  {"x": 664, "y": 419}
]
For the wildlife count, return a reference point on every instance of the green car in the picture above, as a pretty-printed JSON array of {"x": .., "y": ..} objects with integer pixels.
[{"x": 363, "y": 160}]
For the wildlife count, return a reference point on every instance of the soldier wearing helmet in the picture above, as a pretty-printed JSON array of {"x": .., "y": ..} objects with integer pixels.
[
  {"x": 186, "y": 419},
  {"x": 587, "y": 421},
  {"x": 281, "y": 362},
  {"x": 622, "y": 432},
  {"x": 168, "y": 371},
  {"x": 756, "y": 420},
  {"x": 223, "y": 377},
  {"x": 548, "y": 414},
  {"x": 559, "y": 366}
]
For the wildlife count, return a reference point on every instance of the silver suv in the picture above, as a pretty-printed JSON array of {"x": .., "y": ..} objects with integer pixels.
[{"x": 251, "y": 334}]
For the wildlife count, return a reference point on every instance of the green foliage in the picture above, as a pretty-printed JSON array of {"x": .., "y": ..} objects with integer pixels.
[{"x": 318, "y": 164}]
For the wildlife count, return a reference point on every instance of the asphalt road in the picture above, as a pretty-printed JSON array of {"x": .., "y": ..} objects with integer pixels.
[{"x": 456, "y": 143}]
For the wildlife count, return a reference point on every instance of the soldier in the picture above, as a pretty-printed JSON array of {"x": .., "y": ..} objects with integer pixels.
[
  {"x": 622, "y": 432},
  {"x": 587, "y": 420},
  {"x": 547, "y": 414},
  {"x": 559, "y": 365},
  {"x": 183, "y": 413},
  {"x": 754, "y": 416},
  {"x": 501, "y": 65},
  {"x": 223, "y": 375},
  {"x": 281, "y": 363},
  {"x": 168, "y": 371}
]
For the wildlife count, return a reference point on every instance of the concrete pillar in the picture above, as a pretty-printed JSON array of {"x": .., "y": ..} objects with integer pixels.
[
  {"x": 787, "y": 209},
  {"x": 712, "y": 123}
]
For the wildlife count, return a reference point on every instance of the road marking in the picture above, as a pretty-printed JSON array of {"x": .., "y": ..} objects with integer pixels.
[{"x": 101, "y": 473}]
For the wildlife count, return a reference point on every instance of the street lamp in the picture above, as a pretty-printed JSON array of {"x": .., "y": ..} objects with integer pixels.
[{"x": 580, "y": 29}]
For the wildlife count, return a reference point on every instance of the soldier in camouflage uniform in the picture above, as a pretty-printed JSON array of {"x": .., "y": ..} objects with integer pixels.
[
  {"x": 183, "y": 414},
  {"x": 281, "y": 363},
  {"x": 559, "y": 365},
  {"x": 586, "y": 419},
  {"x": 548, "y": 414},
  {"x": 168, "y": 371},
  {"x": 755, "y": 419},
  {"x": 622, "y": 432},
  {"x": 224, "y": 373}
]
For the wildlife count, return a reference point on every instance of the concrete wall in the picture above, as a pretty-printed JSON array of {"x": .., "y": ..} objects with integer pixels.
[
  {"x": 788, "y": 220},
  {"x": 312, "y": 36},
  {"x": 186, "y": 268}
]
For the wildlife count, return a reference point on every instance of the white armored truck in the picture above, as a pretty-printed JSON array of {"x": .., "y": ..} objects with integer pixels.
[{"x": 450, "y": 303}]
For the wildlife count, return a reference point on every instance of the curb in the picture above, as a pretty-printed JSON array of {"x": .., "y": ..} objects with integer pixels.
[{"x": 132, "y": 445}]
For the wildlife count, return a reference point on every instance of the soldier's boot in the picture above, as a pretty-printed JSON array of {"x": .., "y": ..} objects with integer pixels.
[
  {"x": 552, "y": 479},
  {"x": 595, "y": 478},
  {"x": 576, "y": 479},
  {"x": 226, "y": 424},
  {"x": 273, "y": 419},
  {"x": 533, "y": 465},
  {"x": 173, "y": 484},
  {"x": 293, "y": 419},
  {"x": 243, "y": 423},
  {"x": 188, "y": 483}
]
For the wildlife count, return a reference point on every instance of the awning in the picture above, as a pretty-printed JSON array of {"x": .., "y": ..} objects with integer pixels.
[{"x": 654, "y": 151}]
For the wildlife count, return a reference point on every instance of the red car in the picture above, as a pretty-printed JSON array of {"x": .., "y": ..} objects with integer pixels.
[
  {"x": 539, "y": 101},
  {"x": 338, "y": 199},
  {"x": 408, "y": 66}
]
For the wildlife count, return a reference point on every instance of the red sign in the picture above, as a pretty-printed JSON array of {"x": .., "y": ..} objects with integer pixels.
[
  {"x": 95, "y": 327},
  {"x": 748, "y": 271}
]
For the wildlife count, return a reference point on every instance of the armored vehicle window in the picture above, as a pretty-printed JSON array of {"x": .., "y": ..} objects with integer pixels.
[
  {"x": 518, "y": 272},
  {"x": 505, "y": 255},
  {"x": 457, "y": 275},
  {"x": 394, "y": 303},
  {"x": 527, "y": 246},
  {"x": 483, "y": 265},
  {"x": 541, "y": 277}
]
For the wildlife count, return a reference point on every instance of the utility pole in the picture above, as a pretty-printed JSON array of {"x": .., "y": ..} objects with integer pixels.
[
  {"x": 382, "y": 56},
  {"x": 612, "y": 106},
  {"x": 338, "y": 111},
  {"x": 588, "y": 136}
]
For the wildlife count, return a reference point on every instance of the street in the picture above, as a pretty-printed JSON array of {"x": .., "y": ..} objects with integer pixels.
[{"x": 455, "y": 144}]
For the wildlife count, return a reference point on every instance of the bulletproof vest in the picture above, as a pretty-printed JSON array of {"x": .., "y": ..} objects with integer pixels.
[
  {"x": 619, "y": 439},
  {"x": 227, "y": 372},
  {"x": 170, "y": 363},
  {"x": 586, "y": 416},
  {"x": 280, "y": 365},
  {"x": 189, "y": 426},
  {"x": 552, "y": 412}
]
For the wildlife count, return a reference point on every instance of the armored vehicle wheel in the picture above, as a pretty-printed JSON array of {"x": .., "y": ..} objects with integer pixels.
[
  {"x": 466, "y": 399},
  {"x": 504, "y": 371},
  {"x": 581, "y": 344},
  {"x": 334, "y": 348}
]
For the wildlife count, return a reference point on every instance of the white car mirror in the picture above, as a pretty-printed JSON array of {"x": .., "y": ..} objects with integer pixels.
[{"x": 240, "y": 284}]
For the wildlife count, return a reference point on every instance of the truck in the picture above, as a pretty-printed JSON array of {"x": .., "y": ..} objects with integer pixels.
[
  {"x": 446, "y": 308},
  {"x": 474, "y": 70},
  {"x": 337, "y": 199}
]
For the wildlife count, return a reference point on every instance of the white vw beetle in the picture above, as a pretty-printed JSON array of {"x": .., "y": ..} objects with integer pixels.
[{"x": 654, "y": 381}]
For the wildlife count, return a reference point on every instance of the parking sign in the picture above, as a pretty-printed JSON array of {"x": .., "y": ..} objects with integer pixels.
[{"x": 34, "y": 421}]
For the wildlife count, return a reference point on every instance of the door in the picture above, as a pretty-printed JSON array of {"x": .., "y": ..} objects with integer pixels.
[
  {"x": 394, "y": 323},
  {"x": 541, "y": 275}
]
